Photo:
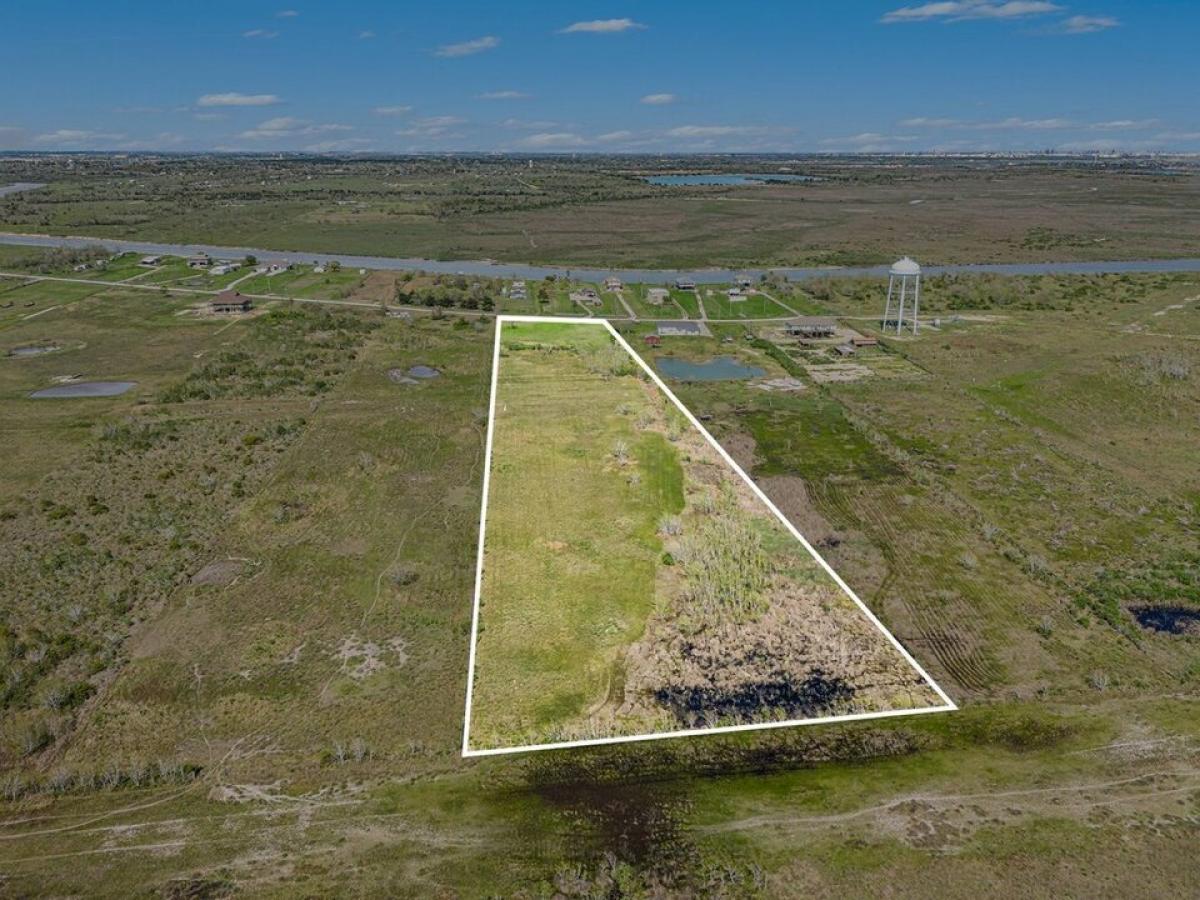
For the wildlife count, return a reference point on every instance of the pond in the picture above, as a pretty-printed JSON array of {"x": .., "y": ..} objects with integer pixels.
[
  {"x": 1168, "y": 619},
  {"x": 683, "y": 180},
  {"x": 723, "y": 368},
  {"x": 20, "y": 352},
  {"x": 86, "y": 389}
]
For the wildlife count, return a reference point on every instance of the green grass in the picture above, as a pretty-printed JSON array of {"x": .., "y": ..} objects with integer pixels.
[
  {"x": 564, "y": 591},
  {"x": 756, "y": 306},
  {"x": 365, "y": 528}
]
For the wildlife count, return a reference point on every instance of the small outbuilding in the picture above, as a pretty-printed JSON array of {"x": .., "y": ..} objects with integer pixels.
[
  {"x": 653, "y": 340},
  {"x": 199, "y": 261},
  {"x": 685, "y": 284},
  {"x": 150, "y": 261},
  {"x": 681, "y": 329},
  {"x": 811, "y": 327},
  {"x": 230, "y": 302}
]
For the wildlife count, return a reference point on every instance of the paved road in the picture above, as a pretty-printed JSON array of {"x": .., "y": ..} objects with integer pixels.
[{"x": 649, "y": 276}]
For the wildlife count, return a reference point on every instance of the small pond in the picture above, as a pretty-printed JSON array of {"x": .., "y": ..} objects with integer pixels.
[
  {"x": 1169, "y": 619},
  {"x": 86, "y": 389},
  {"x": 684, "y": 180},
  {"x": 423, "y": 372},
  {"x": 723, "y": 368},
  {"x": 21, "y": 352}
]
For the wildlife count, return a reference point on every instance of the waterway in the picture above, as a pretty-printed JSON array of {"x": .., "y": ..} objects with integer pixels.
[
  {"x": 493, "y": 269},
  {"x": 724, "y": 180},
  {"x": 86, "y": 389},
  {"x": 8, "y": 189}
]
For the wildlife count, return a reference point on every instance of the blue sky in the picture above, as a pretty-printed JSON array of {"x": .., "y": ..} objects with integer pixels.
[{"x": 837, "y": 75}]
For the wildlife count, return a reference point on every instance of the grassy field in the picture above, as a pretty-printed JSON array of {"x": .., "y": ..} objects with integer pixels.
[
  {"x": 597, "y": 211},
  {"x": 274, "y": 726},
  {"x": 719, "y": 305},
  {"x": 633, "y": 552},
  {"x": 566, "y": 591}
]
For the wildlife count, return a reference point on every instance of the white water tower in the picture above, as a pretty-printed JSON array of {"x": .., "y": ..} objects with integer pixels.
[{"x": 904, "y": 281}]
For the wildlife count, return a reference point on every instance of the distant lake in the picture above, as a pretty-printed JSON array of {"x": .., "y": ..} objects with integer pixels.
[
  {"x": 679, "y": 180},
  {"x": 723, "y": 368},
  {"x": 86, "y": 389},
  {"x": 6, "y": 189}
]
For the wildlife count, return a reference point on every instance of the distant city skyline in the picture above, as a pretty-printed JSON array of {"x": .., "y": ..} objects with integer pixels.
[{"x": 526, "y": 77}]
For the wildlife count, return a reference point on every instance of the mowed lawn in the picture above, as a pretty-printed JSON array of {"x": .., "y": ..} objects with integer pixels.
[
  {"x": 570, "y": 543},
  {"x": 719, "y": 305}
]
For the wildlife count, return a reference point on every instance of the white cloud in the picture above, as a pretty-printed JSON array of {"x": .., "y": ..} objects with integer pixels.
[
  {"x": 467, "y": 48},
  {"x": 1123, "y": 125},
  {"x": 338, "y": 146},
  {"x": 503, "y": 95},
  {"x": 614, "y": 136},
  {"x": 1012, "y": 123},
  {"x": 658, "y": 99},
  {"x": 286, "y": 14},
  {"x": 236, "y": 99},
  {"x": 869, "y": 142},
  {"x": 260, "y": 33},
  {"x": 710, "y": 131},
  {"x": 602, "y": 26},
  {"x": 391, "y": 110},
  {"x": 77, "y": 136},
  {"x": 208, "y": 116},
  {"x": 286, "y": 126},
  {"x": 1089, "y": 24},
  {"x": 551, "y": 139},
  {"x": 365, "y": 35},
  {"x": 1017, "y": 123},
  {"x": 963, "y": 10},
  {"x": 528, "y": 125},
  {"x": 927, "y": 122},
  {"x": 433, "y": 126}
]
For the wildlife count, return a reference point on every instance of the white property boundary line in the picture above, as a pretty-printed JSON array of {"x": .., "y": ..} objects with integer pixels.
[{"x": 949, "y": 704}]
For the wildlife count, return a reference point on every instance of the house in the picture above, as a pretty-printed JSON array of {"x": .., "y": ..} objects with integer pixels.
[
  {"x": 681, "y": 329},
  {"x": 685, "y": 284},
  {"x": 318, "y": 270},
  {"x": 860, "y": 341},
  {"x": 276, "y": 267},
  {"x": 653, "y": 340},
  {"x": 612, "y": 283},
  {"x": 736, "y": 295},
  {"x": 150, "y": 261},
  {"x": 811, "y": 327},
  {"x": 82, "y": 267},
  {"x": 230, "y": 302},
  {"x": 744, "y": 281},
  {"x": 657, "y": 296},
  {"x": 590, "y": 297},
  {"x": 199, "y": 261},
  {"x": 518, "y": 291},
  {"x": 844, "y": 350},
  {"x": 224, "y": 268}
]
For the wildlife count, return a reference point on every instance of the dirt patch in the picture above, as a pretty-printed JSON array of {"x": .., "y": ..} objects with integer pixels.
[
  {"x": 832, "y": 373},
  {"x": 360, "y": 659},
  {"x": 219, "y": 573},
  {"x": 790, "y": 494},
  {"x": 789, "y": 385}
]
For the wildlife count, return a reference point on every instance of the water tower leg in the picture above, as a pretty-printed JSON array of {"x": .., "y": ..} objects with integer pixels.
[
  {"x": 887, "y": 309},
  {"x": 916, "y": 304},
  {"x": 903, "y": 291}
]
